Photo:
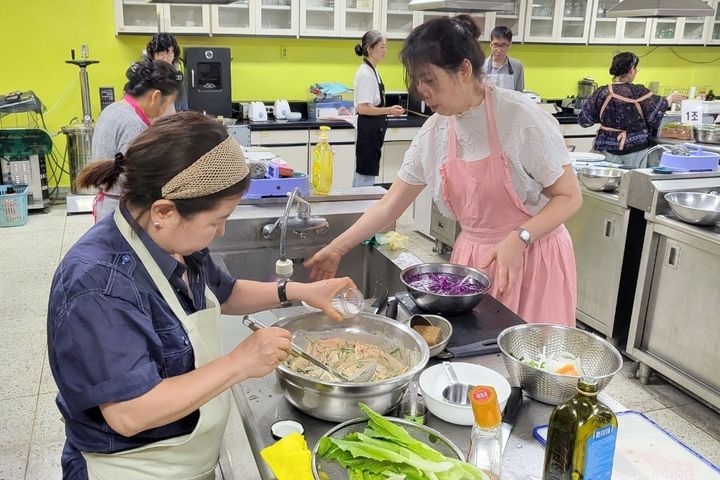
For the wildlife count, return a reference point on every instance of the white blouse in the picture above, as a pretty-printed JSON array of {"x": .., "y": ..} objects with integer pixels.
[
  {"x": 365, "y": 86},
  {"x": 530, "y": 138}
]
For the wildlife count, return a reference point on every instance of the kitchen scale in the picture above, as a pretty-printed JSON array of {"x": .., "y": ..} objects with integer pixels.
[{"x": 474, "y": 333}]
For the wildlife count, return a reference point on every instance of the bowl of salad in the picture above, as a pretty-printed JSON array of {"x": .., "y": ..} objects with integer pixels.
[
  {"x": 445, "y": 288},
  {"x": 547, "y": 360}
]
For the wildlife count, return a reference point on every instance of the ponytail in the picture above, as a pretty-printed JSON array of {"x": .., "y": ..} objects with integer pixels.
[{"x": 101, "y": 174}]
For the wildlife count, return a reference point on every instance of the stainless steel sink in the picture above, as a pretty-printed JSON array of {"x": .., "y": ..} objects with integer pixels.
[{"x": 369, "y": 268}]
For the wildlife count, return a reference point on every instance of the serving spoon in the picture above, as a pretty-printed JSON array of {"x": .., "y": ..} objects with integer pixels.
[{"x": 363, "y": 375}]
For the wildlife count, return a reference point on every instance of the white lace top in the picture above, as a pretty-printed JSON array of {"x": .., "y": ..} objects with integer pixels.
[{"x": 530, "y": 138}]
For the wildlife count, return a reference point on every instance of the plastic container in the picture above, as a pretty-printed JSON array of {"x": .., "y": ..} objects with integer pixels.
[
  {"x": 322, "y": 164},
  {"x": 486, "y": 436},
  {"x": 13, "y": 206},
  {"x": 698, "y": 160}
]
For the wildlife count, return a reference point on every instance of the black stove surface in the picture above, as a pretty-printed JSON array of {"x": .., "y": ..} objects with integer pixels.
[{"x": 474, "y": 333}]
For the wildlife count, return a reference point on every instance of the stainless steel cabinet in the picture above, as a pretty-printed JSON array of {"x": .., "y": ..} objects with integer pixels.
[
  {"x": 599, "y": 231},
  {"x": 674, "y": 327}
]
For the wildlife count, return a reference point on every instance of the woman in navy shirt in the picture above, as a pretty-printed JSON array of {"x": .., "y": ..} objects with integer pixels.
[{"x": 132, "y": 335}]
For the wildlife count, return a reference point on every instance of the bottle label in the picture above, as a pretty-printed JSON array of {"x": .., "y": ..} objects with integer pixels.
[{"x": 599, "y": 454}]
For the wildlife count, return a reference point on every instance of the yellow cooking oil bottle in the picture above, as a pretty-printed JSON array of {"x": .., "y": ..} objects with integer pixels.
[
  {"x": 581, "y": 437},
  {"x": 322, "y": 164}
]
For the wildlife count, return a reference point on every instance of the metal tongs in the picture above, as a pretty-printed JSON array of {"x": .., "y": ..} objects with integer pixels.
[{"x": 364, "y": 375}]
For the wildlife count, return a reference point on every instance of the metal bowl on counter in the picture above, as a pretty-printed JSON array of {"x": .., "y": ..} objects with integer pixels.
[
  {"x": 707, "y": 133},
  {"x": 600, "y": 179},
  {"x": 445, "y": 304},
  {"x": 596, "y": 356},
  {"x": 336, "y": 401},
  {"x": 695, "y": 208}
]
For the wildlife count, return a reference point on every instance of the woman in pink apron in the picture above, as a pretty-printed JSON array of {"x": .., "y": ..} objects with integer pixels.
[
  {"x": 494, "y": 161},
  {"x": 133, "y": 342}
]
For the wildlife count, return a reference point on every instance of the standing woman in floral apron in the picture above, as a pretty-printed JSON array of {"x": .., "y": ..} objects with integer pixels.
[
  {"x": 369, "y": 92},
  {"x": 495, "y": 162},
  {"x": 133, "y": 343}
]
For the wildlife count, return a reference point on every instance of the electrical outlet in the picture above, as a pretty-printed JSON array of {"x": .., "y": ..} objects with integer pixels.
[{"x": 283, "y": 53}]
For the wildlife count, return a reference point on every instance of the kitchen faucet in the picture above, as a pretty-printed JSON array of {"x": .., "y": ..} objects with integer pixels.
[{"x": 299, "y": 224}]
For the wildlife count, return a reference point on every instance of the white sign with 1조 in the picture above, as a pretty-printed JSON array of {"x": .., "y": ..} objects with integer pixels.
[{"x": 692, "y": 112}]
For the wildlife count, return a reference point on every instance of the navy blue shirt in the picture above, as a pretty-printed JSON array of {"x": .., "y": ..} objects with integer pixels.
[{"x": 112, "y": 337}]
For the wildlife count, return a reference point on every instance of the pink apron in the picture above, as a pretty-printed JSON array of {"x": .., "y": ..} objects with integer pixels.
[{"x": 481, "y": 195}]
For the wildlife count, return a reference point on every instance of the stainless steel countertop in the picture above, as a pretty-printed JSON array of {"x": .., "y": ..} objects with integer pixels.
[{"x": 261, "y": 402}]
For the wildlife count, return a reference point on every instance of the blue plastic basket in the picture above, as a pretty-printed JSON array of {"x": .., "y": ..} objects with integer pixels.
[{"x": 13, "y": 206}]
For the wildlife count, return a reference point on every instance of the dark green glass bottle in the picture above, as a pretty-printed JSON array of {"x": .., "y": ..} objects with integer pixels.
[{"x": 581, "y": 437}]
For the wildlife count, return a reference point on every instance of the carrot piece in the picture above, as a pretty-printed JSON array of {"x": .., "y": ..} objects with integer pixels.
[{"x": 567, "y": 369}]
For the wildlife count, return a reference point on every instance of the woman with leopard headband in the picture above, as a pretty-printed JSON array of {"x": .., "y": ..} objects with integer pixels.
[{"x": 132, "y": 338}]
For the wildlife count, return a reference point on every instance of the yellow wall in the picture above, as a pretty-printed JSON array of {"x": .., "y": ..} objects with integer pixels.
[{"x": 36, "y": 37}]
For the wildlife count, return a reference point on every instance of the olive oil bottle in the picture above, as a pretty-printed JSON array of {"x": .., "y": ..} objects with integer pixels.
[{"x": 581, "y": 437}]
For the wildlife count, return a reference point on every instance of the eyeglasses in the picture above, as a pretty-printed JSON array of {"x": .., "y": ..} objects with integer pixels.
[{"x": 499, "y": 45}]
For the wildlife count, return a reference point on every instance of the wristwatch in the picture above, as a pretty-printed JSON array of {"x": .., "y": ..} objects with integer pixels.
[
  {"x": 525, "y": 236},
  {"x": 282, "y": 292}
]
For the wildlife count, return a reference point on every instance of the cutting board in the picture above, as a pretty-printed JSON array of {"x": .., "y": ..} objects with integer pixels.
[
  {"x": 474, "y": 333},
  {"x": 645, "y": 451}
]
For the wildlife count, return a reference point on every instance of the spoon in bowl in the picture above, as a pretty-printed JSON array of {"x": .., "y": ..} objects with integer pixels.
[{"x": 455, "y": 393}]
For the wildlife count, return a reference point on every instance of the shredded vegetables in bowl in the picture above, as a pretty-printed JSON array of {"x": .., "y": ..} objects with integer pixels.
[
  {"x": 441, "y": 283},
  {"x": 559, "y": 363}
]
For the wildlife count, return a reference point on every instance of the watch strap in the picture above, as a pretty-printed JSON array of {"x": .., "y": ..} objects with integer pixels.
[{"x": 282, "y": 291}]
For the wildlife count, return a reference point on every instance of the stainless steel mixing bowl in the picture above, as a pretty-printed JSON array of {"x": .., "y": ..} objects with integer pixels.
[
  {"x": 600, "y": 179},
  {"x": 695, "y": 208},
  {"x": 597, "y": 358},
  {"x": 337, "y": 402},
  {"x": 445, "y": 304}
]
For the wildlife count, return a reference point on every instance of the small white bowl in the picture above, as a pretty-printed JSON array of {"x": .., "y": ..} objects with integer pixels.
[{"x": 434, "y": 380}]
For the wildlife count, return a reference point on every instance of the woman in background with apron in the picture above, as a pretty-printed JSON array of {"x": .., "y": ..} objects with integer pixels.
[
  {"x": 150, "y": 91},
  {"x": 628, "y": 114},
  {"x": 369, "y": 94},
  {"x": 133, "y": 343},
  {"x": 503, "y": 71}
]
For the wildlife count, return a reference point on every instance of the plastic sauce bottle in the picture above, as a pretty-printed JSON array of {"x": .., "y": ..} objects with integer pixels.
[
  {"x": 581, "y": 437},
  {"x": 486, "y": 437},
  {"x": 322, "y": 164}
]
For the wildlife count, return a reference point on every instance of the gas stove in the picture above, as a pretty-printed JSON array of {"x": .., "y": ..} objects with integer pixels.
[{"x": 474, "y": 333}]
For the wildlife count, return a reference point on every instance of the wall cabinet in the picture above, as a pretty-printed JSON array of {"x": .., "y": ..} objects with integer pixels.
[
  {"x": 683, "y": 31},
  {"x": 608, "y": 30},
  {"x": 558, "y": 21},
  {"x": 277, "y": 17},
  {"x": 396, "y": 20},
  {"x": 359, "y": 16},
  {"x": 712, "y": 30},
  {"x": 234, "y": 19},
  {"x": 137, "y": 16}
]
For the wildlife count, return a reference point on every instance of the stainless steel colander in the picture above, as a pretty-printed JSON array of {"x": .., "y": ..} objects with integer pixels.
[{"x": 597, "y": 357}]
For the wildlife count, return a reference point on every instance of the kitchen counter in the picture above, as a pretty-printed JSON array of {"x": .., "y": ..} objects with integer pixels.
[
  {"x": 400, "y": 122},
  {"x": 710, "y": 147},
  {"x": 261, "y": 402}
]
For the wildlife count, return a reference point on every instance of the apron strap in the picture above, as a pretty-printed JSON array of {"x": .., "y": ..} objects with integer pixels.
[
  {"x": 160, "y": 280},
  {"x": 622, "y": 134},
  {"x": 452, "y": 137},
  {"x": 493, "y": 138}
]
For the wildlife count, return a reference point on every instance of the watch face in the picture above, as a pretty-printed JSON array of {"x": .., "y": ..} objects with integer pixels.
[{"x": 524, "y": 235}]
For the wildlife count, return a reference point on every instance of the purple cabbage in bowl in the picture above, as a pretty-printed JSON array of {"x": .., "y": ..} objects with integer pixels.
[{"x": 441, "y": 283}]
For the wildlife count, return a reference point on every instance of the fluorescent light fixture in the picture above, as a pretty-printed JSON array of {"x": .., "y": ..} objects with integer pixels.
[{"x": 660, "y": 8}]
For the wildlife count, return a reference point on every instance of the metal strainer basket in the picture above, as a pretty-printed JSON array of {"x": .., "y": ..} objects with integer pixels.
[
  {"x": 330, "y": 469},
  {"x": 597, "y": 358}
]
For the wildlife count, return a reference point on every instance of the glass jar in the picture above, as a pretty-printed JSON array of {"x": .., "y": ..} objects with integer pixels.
[{"x": 348, "y": 302}]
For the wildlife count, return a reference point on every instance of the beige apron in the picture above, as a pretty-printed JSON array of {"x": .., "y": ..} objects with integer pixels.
[{"x": 187, "y": 457}]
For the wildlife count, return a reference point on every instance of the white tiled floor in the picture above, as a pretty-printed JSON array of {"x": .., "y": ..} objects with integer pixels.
[{"x": 31, "y": 433}]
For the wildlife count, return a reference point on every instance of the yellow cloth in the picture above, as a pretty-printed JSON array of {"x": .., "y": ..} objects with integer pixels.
[{"x": 289, "y": 458}]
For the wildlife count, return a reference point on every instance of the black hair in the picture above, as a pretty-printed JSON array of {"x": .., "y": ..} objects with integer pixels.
[
  {"x": 501, "y": 32},
  {"x": 622, "y": 63},
  {"x": 162, "y": 42},
  {"x": 444, "y": 42},
  {"x": 163, "y": 150},
  {"x": 369, "y": 40},
  {"x": 146, "y": 75}
]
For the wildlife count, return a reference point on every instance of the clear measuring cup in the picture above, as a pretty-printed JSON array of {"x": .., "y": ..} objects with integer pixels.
[{"x": 348, "y": 302}]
